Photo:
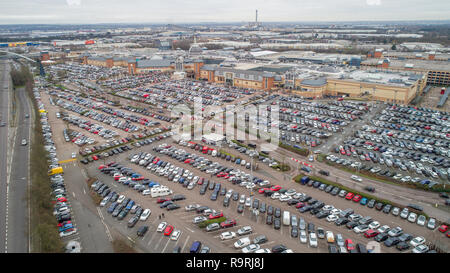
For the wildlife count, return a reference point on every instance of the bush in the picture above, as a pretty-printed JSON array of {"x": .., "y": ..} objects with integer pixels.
[
  {"x": 207, "y": 222},
  {"x": 301, "y": 151}
]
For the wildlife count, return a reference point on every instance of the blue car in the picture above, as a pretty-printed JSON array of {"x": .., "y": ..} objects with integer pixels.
[
  {"x": 112, "y": 207},
  {"x": 363, "y": 201},
  {"x": 238, "y": 161}
]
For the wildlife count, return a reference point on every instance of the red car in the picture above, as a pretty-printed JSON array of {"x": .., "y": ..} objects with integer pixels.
[
  {"x": 200, "y": 182},
  {"x": 275, "y": 188},
  {"x": 300, "y": 205},
  {"x": 448, "y": 234},
  {"x": 95, "y": 157},
  {"x": 137, "y": 178},
  {"x": 162, "y": 200},
  {"x": 168, "y": 230},
  {"x": 443, "y": 228},
  {"x": 349, "y": 244},
  {"x": 228, "y": 223},
  {"x": 61, "y": 199},
  {"x": 371, "y": 233},
  {"x": 101, "y": 167},
  {"x": 262, "y": 190},
  {"x": 187, "y": 161},
  {"x": 117, "y": 177},
  {"x": 357, "y": 198},
  {"x": 64, "y": 223},
  {"x": 216, "y": 215},
  {"x": 349, "y": 196}
]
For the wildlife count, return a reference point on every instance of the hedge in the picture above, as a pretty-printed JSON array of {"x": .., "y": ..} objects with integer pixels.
[
  {"x": 300, "y": 151},
  {"x": 207, "y": 222}
]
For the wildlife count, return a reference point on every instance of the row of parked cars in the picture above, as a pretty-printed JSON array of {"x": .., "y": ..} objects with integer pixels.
[
  {"x": 119, "y": 206},
  {"x": 62, "y": 208}
]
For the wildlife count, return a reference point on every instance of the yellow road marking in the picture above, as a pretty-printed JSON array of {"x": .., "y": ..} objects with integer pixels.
[{"x": 66, "y": 161}]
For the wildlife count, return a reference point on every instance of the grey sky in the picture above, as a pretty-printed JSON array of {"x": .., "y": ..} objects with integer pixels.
[{"x": 172, "y": 11}]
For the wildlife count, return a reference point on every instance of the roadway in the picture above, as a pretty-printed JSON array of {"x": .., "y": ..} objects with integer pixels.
[
  {"x": 4, "y": 116},
  {"x": 18, "y": 209}
]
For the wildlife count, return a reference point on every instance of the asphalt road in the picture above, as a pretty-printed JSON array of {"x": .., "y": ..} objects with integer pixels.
[
  {"x": 19, "y": 180},
  {"x": 4, "y": 116}
]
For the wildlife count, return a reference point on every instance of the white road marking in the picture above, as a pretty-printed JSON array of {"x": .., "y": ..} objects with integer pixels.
[
  {"x": 164, "y": 249},
  {"x": 190, "y": 230},
  {"x": 156, "y": 246},
  {"x": 187, "y": 239}
]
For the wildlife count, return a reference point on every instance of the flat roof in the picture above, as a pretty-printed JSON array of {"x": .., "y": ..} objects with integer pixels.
[{"x": 417, "y": 63}]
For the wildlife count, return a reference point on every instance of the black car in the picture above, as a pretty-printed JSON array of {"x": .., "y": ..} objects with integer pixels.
[
  {"x": 352, "y": 224},
  {"x": 269, "y": 210},
  {"x": 391, "y": 241},
  {"x": 387, "y": 208},
  {"x": 226, "y": 202},
  {"x": 235, "y": 196},
  {"x": 262, "y": 208},
  {"x": 402, "y": 246},
  {"x": 294, "y": 232},
  {"x": 165, "y": 204},
  {"x": 381, "y": 237},
  {"x": 178, "y": 197},
  {"x": 269, "y": 219},
  {"x": 332, "y": 248},
  {"x": 311, "y": 227},
  {"x": 240, "y": 208},
  {"x": 172, "y": 207},
  {"x": 341, "y": 221},
  {"x": 335, "y": 191},
  {"x": 213, "y": 196},
  {"x": 278, "y": 248},
  {"x": 277, "y": 213},
  {"x": 277, "y": 223}
]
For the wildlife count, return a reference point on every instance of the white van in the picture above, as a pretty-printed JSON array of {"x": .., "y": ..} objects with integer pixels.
[
  {"x": 160, "y": 191},
  {"x": 214, "y": 153},
  {"x": 286, "y": 218},
  {"x": 243, "y": 242}
]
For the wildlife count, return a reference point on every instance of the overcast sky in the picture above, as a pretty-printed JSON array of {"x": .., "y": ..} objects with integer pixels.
[{"x": 190, "y": 11}]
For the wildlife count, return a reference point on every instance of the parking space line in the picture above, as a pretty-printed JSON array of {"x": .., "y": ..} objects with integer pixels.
[
  {"x": 164, "y": 249},
  {"x": 184, "y": 245},
  {"x": 157, "y": 245}
]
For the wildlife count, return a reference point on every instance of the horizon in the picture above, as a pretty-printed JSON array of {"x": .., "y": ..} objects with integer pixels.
[{"x": 235, "y": 11}]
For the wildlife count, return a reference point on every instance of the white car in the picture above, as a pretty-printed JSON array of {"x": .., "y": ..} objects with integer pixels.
[
  {"x": 420, "y": 249},
  {"x": 191, "y": 207},
  {"x": 175, "y": 235},
  {"x": 120, "y": 199},
  {"x": 431, "y": 223},
  {"x": 276, "y": 195},
  {"x": 250, "y": 248},
  {"x": 356, "y": 178},
  {"x": 146, "y": 192},
  {"x": 74, "y": 155},
  {"x": 161, "y": 226},
  {"x": 328, "y": 208},
  {"x": 303, "y": 237},
  {"x": 248, "y": 202},
  {"x": 332, "y": 218},
  {"x": 421, "y": 220},
  {"x": 359, "y": 229},
  {"x": 412, "y": 217},
  {"x": 374, "y": 225},
  {"x": 199, "y": 219},
  {"x": 417, "y": 241},
  {"x": 384, "y": 229},
  {"x": 145, "y": 214},
  {"x": 104, "y": 202},
  {"x": 313, "y": 240},
  {"x": 227, "y": 235},
  {"x": 335, "y": 211},
  {"x": 243, "y": 242},
  {"x": 242, "y": 199},
  {"x": 285, "y": 198}
]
